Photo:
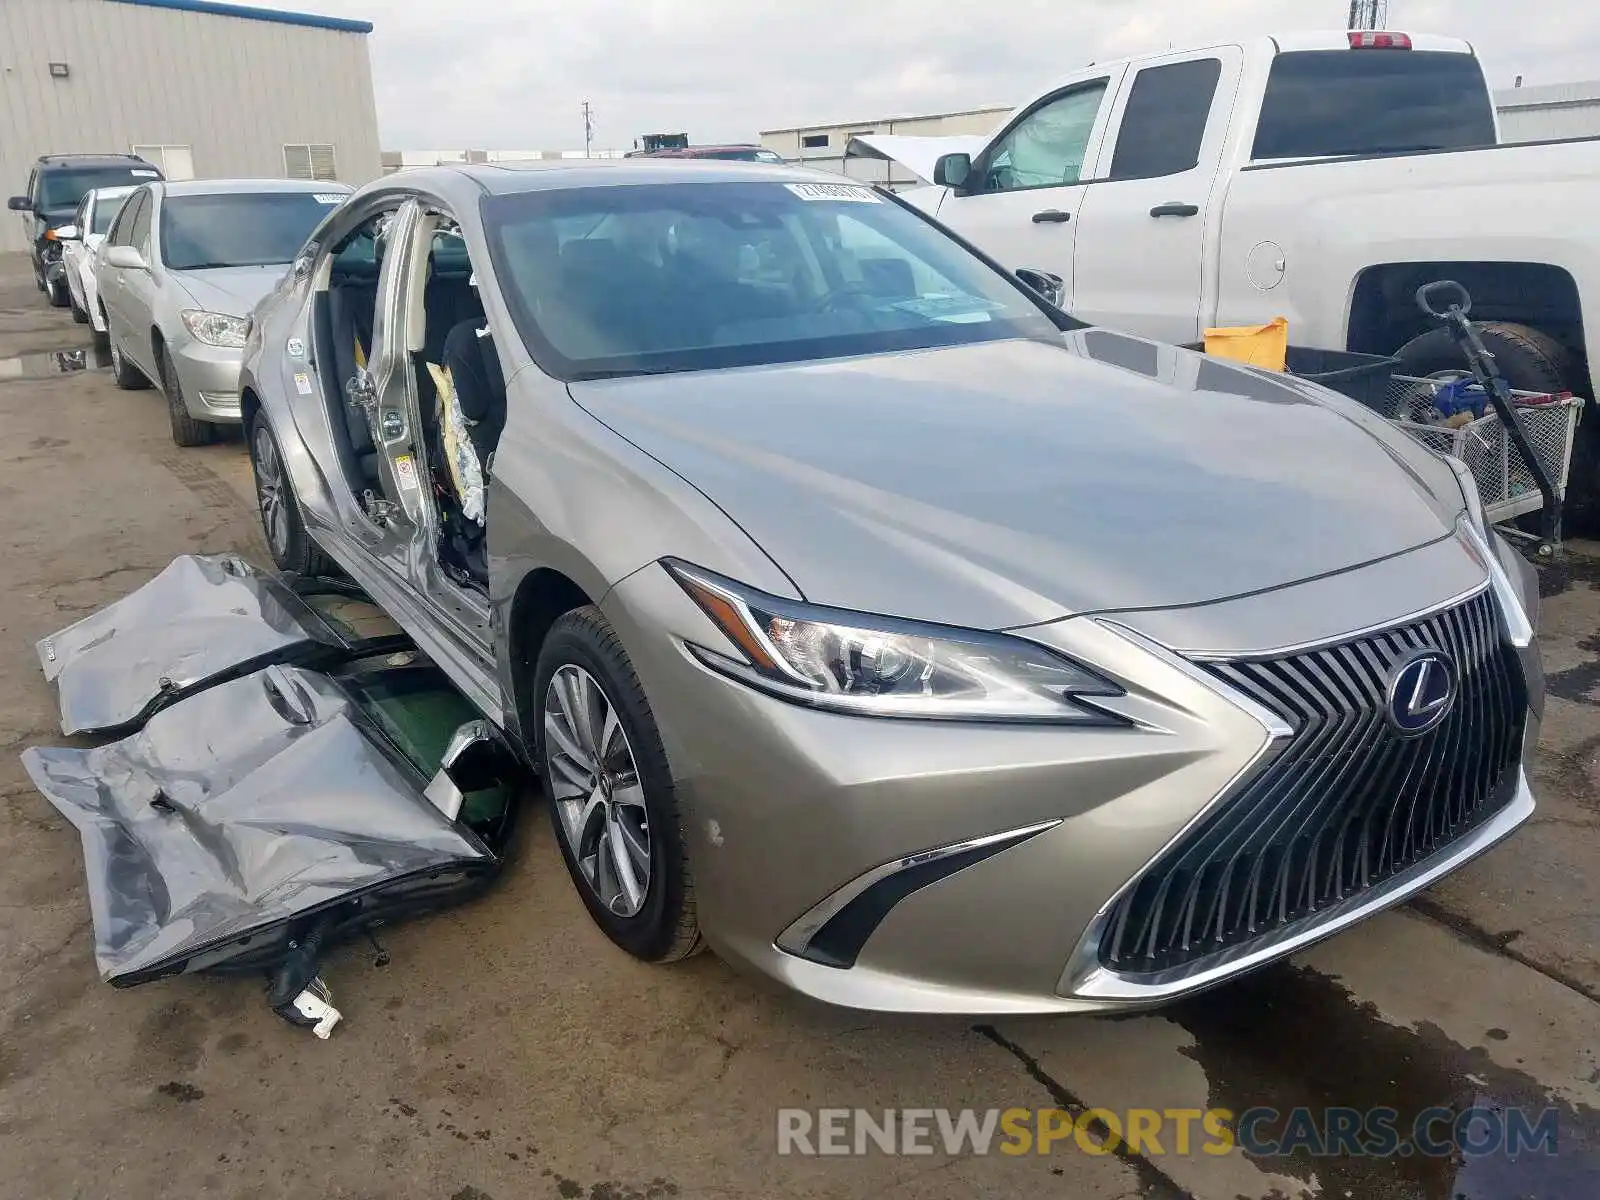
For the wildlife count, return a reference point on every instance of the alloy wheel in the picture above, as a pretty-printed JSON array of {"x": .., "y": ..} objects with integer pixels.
[
  {"x": 595, "y": 786},
  {"x": 271, "y": 492}
]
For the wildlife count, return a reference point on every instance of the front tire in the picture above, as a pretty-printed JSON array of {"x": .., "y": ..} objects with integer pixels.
[
  {"x": 186, "y": 431},
  {"x": 610, "y": 790},
  {"x": 78, "y": 313},
  {"x": 123, "y": 373},
  {"x": 57, "y": 293},
  {"x": 282, "y": 526}
]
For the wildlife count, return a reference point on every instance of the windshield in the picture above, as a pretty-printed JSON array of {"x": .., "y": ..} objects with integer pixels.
[
  {"x": 65, "y": 188},
  {"x": 106, "y": 207},
  {"x": 239, "y": 229},
  {"x": 1331, "y": 102},
  {"x": 695, "y": 276}
]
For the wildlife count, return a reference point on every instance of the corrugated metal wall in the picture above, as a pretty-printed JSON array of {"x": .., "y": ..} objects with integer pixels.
[{"x": 234, "y": 90}]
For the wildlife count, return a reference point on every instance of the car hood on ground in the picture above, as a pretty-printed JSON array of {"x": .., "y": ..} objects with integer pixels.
[
  {"x": 1013, "y": 482},
  {"x": 231, "y": 290}
]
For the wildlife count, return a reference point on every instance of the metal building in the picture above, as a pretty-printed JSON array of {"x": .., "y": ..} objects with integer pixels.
[
  {"x": 823, "y": 146},
  {"x": 202, "y": 89},
  {"x": 1556, "y": 110}
]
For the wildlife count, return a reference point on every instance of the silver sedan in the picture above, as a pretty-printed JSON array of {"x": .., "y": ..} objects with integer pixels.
[
  {"x": 869, "y": 618},
  {"x": 177, "y": 275}
]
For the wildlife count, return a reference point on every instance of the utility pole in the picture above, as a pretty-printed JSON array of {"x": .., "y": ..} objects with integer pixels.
[
  {"x": 1369, "y": 14},
  {"x": 588, "y": 128}
]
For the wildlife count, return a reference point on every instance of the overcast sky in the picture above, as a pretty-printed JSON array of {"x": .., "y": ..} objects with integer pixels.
[{"x": 513, "y": 74}]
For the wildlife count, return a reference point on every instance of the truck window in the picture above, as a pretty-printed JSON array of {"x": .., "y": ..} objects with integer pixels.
[
  {"x": 1165, "y": 119},
  {"x": 1331, "y": 102},
  {"x": 1047, "y": 147}
]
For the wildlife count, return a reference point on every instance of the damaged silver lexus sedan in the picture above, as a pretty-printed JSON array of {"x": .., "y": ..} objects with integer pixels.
[{"x": 867, "y": 617}]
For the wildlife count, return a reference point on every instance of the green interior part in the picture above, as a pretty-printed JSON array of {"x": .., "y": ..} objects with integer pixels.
[{"x": 419, "y": 712}]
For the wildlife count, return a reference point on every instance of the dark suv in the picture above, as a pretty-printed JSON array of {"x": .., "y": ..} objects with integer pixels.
[{"x": 55, "y": 186}]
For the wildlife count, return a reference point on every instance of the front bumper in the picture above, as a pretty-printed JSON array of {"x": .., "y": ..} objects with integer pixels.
[
  {"x": 209, "y": 376},
  {"x": 988, "y": 856}
]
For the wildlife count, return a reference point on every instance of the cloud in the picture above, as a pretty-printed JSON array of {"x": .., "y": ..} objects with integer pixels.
[{"x": 513, "y": 74}]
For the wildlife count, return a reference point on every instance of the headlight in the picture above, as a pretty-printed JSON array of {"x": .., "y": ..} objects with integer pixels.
[
  {"x": 215, "y": 329},
  {"x": 877, "y": 666}
]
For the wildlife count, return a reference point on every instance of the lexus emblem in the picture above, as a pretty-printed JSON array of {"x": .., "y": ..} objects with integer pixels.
[{"x": 1421, "y": 690}]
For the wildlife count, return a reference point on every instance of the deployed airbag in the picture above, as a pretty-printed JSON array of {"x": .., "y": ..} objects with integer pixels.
[{"x": 233, "y": 815}]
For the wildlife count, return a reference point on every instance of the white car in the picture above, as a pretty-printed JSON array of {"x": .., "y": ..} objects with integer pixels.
[{"x": 80, "y": 240}]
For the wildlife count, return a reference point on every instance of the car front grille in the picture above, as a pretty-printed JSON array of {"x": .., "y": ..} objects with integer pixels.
[{"x": 1346, "y": 804}]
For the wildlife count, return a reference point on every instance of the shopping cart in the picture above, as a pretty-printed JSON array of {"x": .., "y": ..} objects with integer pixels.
[
  {"x": 1516, "y": 472},
  {"x": 1508, "y": 488}
]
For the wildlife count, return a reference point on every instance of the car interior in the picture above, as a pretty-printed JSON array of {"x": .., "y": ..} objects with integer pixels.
[
  {"x": 450, "y": 348},
  {"x": 342, "y": 320}
]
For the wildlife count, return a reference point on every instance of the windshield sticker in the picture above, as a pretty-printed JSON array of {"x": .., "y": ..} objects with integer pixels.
[
  {"x": 302, "y": 383},
  {"x": 138, "y": 174},
  {"x": 954, "y": 310},
  {"x": 328, "y": 197},
  {"x": 849, "y": 193}
]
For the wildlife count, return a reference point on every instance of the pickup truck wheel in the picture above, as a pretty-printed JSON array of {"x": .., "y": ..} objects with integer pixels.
[
  {"x": 611, "y": 793},
  {"x": 1530, "y": 361}
]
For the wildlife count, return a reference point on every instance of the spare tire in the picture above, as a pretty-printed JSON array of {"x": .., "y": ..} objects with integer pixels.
[{"x": 1529, "y": 360}]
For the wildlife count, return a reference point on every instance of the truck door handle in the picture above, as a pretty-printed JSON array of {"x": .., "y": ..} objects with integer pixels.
[
  {"x": 1051, "y": 216},
  {"x": 1174, "y": 209}
]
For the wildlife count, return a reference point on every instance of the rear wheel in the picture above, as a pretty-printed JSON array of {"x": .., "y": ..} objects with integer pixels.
[
  {"x": 281, "y": 524},
  {"x": 610, "y": 790},
  {"x": 126, "y": 376},
  {"x": 186, "y": 431}
]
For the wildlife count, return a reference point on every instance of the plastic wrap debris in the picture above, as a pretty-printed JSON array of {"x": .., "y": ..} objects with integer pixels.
[
  {"x": 235, "y": 817},
  {"x": 466, "y": 472},
  {"x": 202, "y": 619}
]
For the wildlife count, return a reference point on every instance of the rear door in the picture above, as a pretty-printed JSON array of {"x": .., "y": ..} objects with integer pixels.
[
  {"x": 1146, "y": 244},
  {"x": 1020, "y": 204}
]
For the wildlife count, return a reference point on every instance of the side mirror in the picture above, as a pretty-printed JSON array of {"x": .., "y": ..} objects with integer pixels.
[
  {"x": 65, "y": 233},
  {"x": 19, "y": 204},
  {"x": 474, "y": 760},
  {"x": 125, "y": 258},
  {"x": 952, "y": 170},
  {"x": 1051, "y": 286}
]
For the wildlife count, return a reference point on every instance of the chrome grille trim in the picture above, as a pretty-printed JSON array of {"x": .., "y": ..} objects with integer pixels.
[{"x": 1345, "y": 807}]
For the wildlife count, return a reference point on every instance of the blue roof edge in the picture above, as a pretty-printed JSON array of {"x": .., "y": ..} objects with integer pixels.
[{"x": 218, "y": 9}]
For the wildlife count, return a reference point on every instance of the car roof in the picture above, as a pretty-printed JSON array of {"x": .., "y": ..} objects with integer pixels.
[
  {"x": 551, "y": 174},
  {"x": 230, "y": 187}
]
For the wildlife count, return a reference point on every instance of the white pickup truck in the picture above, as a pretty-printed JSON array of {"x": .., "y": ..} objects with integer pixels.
[{"x": 1321, "y": 177}]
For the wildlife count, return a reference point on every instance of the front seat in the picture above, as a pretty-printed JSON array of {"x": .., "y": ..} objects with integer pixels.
[{"x": 480, "y": 384}]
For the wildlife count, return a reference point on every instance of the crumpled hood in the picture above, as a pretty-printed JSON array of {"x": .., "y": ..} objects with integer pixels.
[
  {"x": 1007, "y": 483},
  {"x": 234, "y": 291}
]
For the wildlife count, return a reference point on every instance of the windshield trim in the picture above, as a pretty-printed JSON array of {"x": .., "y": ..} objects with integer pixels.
[{"x": 757, "y": 354}]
